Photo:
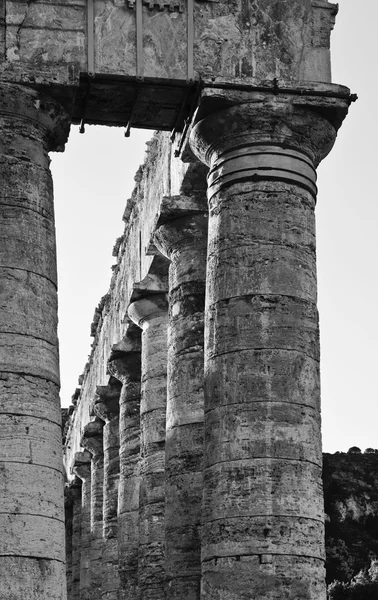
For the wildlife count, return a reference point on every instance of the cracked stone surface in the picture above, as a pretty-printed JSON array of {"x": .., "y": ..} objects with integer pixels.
[{"x": 32, "y": 514}]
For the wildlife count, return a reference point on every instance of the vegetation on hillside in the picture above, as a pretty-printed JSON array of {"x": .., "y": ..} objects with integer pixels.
[{"x": 351, "y": 507}]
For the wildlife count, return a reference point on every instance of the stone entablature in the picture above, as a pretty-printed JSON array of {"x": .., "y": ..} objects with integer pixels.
[
  {"x": 118, "y": 62},
  {"x": 283, "y": 40}
]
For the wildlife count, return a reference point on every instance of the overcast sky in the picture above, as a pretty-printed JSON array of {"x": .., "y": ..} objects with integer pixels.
[{"x": 94, "y": 177}]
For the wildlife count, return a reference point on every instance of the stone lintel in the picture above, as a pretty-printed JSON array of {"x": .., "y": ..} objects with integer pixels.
[
  {"x": 82, "y": 465},
  {"x": 92, "y": 438}
]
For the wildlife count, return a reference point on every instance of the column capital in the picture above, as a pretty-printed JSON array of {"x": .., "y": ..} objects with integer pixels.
[
  {"x": 37, "y": 109},
  {"x": 149, "y": 299},
  {"x": 92, "y": 438},
  {"x": 183, "y": 222},
  {"x": 270, "y": 137},
  {"x": 82, "y": 465},
  {"x": 106, "y": 401},
  {"x": 124, "y": 360},
  {"x": 145, "y": 310}
]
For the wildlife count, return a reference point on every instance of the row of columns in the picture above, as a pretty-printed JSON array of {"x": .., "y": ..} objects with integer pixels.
[
  {"x": 210, "y": 463},
  {"x": 229, "y": 475},
  {"x": 157, "y": 447}
]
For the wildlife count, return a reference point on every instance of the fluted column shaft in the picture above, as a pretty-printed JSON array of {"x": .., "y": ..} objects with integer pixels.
[
  {"x": 150, "y": 313},
  {"x": 184, "y": 241},
  {"x": 107, "y": 408},
  {"x": 92, "y": 440},
  {"x": 31, "y": 479},
  {"x": 82, "y": 468},
  {"x": 263, "y": 531},
  {"x": 125, "y": 365}
]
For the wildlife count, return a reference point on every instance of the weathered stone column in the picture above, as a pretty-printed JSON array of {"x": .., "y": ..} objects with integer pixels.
[
  {"x": 150, "y": 313},
  {"x": 92, "y": 440},
  {"x": 125, "y": 365},
  {"x": 76, "y": 486},
  {"x": 263, "y": 533},
  {"x": 31, "y": 480},
  {"x": 107, "y": 408},
  {"x": 82, "y": 468},
  {"x": 68, "y": 508},
  {"x": 181, "y": 235}
]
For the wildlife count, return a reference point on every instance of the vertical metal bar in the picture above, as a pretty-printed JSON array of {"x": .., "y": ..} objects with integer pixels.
[
  {"x": 139, "y": 38},
  {"x": 90, "y": 35},
  {"x": 190, "y": 40}
]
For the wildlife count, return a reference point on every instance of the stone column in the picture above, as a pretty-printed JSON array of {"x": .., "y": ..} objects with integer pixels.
[
  {"x": 150, "y": 313},
  {"x": 92, "y": 440},
  {"x": 263, "y": 513},
  {"x": 82, "y": 468},
  {"x": 76, "y": 537},
  {"x": 31, "y": 479},
  {"x": 125, "y": 365},
  {"x": 68, "y": 507},
  {"x": 107, "y": 408},
  {"x": 181, "y": 235}
]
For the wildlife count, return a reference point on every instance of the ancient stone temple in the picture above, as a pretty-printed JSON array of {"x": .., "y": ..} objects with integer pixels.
[{"x": 192, "y": 456}]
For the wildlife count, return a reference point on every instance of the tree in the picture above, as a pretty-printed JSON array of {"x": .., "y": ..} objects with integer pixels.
[
  {"x": 363, "y": 586},
  {"x": 354, "y": 450}
]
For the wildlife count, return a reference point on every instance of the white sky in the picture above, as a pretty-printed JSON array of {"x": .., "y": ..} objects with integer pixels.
[{"x": 94, "y": 177}]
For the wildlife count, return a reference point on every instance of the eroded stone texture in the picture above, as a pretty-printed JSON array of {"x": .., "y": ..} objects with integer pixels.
[
  {"x": 150, "y": 313},
  {"x": 231, "y": 39},
  {"x": 106, "y": 407},
  {"x": 31, "y": 481},
  {"x": 125, "y": 365},
  {"x": 263, "y": 530},
  {"x": 68, "y": 509},
  {"x": 92, "y": 440},
  {"x": 181, "y": 235},
  {"x": 82, "y": 468},
  {"x": 76, "y": 537}
]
